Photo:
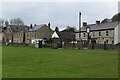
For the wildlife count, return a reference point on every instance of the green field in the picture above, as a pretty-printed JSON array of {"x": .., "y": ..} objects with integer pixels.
[{"x": 29, "y": 62}]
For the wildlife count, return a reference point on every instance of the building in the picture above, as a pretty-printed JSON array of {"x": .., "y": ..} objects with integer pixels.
[
  {"x": 11, "y": 33},
  {"x": 66, "y": 36},
  {"x": 1, "y": 35},
  {"x": 63, "y": 38},
  {"x": 25, "y": 34},
  {"x": 18, "y": 37},
  {"x": 42, "y": 31},
  {"x": 101, "y": 32},
  {"x": 29, "y": 36},
  {"x": 117, "y": 34}
]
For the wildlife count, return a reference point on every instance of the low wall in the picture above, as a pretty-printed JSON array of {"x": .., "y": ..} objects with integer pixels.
[
  {"x": 91, "y": 46},
  {"x": 78, "y": 45}
]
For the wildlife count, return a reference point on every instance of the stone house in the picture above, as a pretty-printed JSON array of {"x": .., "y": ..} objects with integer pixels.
[
  {"x": 7, "y": 35},
  {"x": 29, "y": 36},
  {"x": 101, "y": 32},
  {"x": 42, "y": 31},
  {"x": 18, "y": 37},
  {"x": 11, "y": 31},
  {"x": 1, "y": 35}
]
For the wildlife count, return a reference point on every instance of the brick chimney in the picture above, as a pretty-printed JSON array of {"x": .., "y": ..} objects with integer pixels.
[
  {"x": 97, "y": 22},
  {"x": 84, "y": 24}
]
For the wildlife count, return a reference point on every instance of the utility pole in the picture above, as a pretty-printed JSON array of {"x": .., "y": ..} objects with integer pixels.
[
  {"x": 79, "y": 22},
  {"x": 79, "y": 29}
]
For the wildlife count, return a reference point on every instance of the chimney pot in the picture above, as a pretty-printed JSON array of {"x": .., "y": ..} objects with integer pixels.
[
  {"x": 97, "y": 22},
  {"x": 84, "y": 24},
  {"x": 34, "y": 24},
  {"x": 49, "y": 24}
]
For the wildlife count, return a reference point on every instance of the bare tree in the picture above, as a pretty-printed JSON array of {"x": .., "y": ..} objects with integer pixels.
[
  {"x": 71, "y": 29},
  {"x": 6, "y": 23},
  {"x": 31, "y": 26},
  {"x": 16, "y": 21},
  {"x": 12, "y": 22},
  {"x": 1, "y": 22}
]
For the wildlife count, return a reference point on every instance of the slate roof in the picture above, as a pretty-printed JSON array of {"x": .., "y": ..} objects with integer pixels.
[
  {"x": 66, "y": 36},
  {"x": 38, "y": 26},
  {"x": 17, "y": 28},
  {"x": 101, "y": 26}
]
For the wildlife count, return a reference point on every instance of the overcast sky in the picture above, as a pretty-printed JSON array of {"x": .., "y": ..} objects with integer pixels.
[{"x": 59, "y": 14}]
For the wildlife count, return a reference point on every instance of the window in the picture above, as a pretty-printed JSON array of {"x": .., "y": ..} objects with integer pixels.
[
  {"x": 99, "y": 33},
  {"x": 84, "y": 34},
  {"x": 21, "y": 35},
  {"x": 106, "y": 41},
  {"x": 106, "y": 33},
  {"x": 93, "y": 34}
]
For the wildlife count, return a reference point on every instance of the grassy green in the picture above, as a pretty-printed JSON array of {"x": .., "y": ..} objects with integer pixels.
[{"x": 29, "y": 62}]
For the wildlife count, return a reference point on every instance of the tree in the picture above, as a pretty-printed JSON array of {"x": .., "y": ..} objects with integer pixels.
[
  {"x": 70, "y": 29},
  {"x": 16, "y": 21},
  {"x": 1, "y": 22},
  {"x": 12, "y": 22},
  {"x": 31, "y": 26},
  {"x": 6, "y": 23},
  {"x": 106, "y": 20},
  {"x": 116, "y": 17},
  {"x": 56, "y": 29}
]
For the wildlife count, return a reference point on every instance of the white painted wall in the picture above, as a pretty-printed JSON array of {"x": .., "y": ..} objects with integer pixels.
[
  {"x": 77, "y": 36},
  {"x": 55, "y": 35},
  {"x": 117, "y": 34}
]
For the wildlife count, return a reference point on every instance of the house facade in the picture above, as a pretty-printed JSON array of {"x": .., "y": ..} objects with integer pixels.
[
  {"x": 1, "y": 35},
  {"x": 13, "y": 33},
  {"x": 7, "y": 35},
  {"x": 29, "y": 36},
  {"x": 43, "y": 31},
  {"x": 25, "y": 34},
  {"x": 116, "y": 35},
  {"x": 101, "y": 32},
  {"x": 18, "y": 37}
]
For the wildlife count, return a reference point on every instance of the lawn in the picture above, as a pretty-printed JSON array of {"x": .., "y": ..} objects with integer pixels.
[{"x": 29, "y": 62}]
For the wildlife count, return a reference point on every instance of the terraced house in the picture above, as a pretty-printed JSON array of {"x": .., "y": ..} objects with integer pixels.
[
  {"x": 11, "y": 33},
  {"x": 42, "y": 31},
  {"x": 25, "y": 34},
  {"x": 101, "y": 32}
]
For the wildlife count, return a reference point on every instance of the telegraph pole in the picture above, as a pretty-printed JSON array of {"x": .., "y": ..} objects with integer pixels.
[
  {"x": 79, "y": 29},
  {"x": 79, "y": 22}
]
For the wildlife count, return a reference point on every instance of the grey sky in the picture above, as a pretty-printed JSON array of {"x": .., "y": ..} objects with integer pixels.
[{"x": 59, "y": 14}]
